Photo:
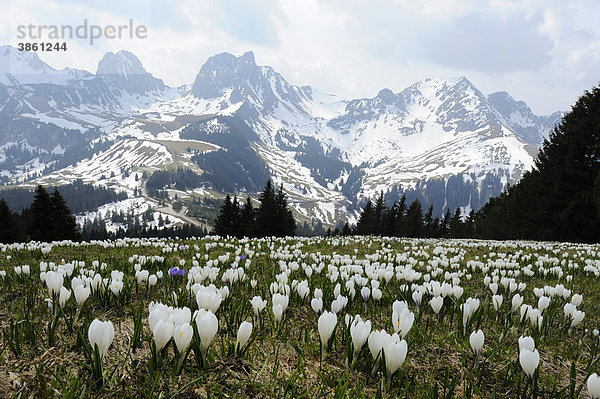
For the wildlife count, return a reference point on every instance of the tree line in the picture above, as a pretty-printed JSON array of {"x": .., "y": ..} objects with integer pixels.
[
  {"x": 79, "y": 196},
  {"x": 47, "y": 219},
  {"x": 402, "y": 219},
  {"x": 97, "y": 231},
  {"x": 271, "y": 218}
]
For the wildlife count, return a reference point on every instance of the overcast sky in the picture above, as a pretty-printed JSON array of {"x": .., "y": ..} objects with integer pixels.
[{"x": 543, "y": 52}]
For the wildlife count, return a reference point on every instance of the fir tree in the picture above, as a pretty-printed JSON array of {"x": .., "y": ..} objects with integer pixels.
[
  {"x": 430, "y": 227},
  {"x": 10, "y": 232},
  {"x": 445, "y": 224},
  {"x": 62, "y": 222},
  {"x": 456, "y": 225},
  {"x": 227, "y": 219},
  {"x": 41, "y": 209},
  {"x": 286, "y": 221},
  {"x": 378, "y": 214},
  {"x": 389, "y": 220},
  {"x": 236, "y": 227},
  {"x": 346, "y": 230},
  {"x": 469, "y": 225},
  {"x": 414, "y": 220},
  {"x": 247, "y": 218},
  {"x": 266, "y": 214},
  {"x": 366, "y": 220},
  {"x": 400, "y": 218}
]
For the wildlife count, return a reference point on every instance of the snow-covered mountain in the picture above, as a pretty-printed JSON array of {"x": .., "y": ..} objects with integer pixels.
[
  {"x": 518, "y": 117},
  {"x": 440, "y": 140},
  {"x": 23, "y": 67}
]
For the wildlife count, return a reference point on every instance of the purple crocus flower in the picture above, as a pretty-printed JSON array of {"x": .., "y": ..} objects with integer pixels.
[{"x": 174, "y": 271}]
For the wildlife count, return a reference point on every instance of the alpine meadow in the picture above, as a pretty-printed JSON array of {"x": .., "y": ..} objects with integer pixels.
[{"x": 300, "y": 199}]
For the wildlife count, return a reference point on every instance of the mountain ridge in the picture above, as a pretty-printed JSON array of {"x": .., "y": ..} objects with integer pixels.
[{"x": 341, "y": 151}]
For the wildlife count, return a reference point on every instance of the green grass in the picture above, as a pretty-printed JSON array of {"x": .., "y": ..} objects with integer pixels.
[{"x": 285, "y": 361}]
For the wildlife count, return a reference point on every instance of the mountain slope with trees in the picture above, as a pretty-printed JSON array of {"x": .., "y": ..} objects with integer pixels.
[{"x": 559, "y": 199}]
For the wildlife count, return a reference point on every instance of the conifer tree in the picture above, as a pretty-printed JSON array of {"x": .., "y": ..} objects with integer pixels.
[
  {"x": 456, "y": 225},
  {"x": 389, "y": 220},
  {"x": 247, "y": 218},
  {"x": 286, "y": 221},
  {"x": 9, "y": 232},
  {"x": 378, "y": 211},
  {"x": 400, "y": 218},
  {"x": 346, "y": 230},
  {"x": 429, "y": 228},
  {"x": 41, "y": 210},
  {"x": 266, "y": 214},
  {"x": 366, "y": 220},
  {"x": 62, "y": 222},
  {"x": 445, "y": 224},
  {"x": 469, "y": 225},
  {"x": 236, "y": 227},
  {"x": 226, "y": 219},
  {"x": 414, "y": 219}
]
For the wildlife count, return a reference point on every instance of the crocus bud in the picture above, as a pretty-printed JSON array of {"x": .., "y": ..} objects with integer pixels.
[
  {"x": 101, "y": 334},
  {"x": 436, "y": 304},
  {"x": 81, "y": 293},
  {"x": 526, "y": 343},
  {"x": 64, "y": 296},
  {"x": 208, "y": 325},
  {"x": 277, "y": 312},
  {"x": 476, "y": 340},
  {"x": 54, "y": 280},
  {"x": 258, "y": 304},
  {"x": 359, "y": 332},
  {"x": 417, "y": 296},
  {"x": 317, "y": 305},
  {"x": 326, "y": 325},
  {"x": 543, "y": 303},
  {"x": 395, "y": 355},
  {"x": 497, "y": 301},
  {"x": 529, "y": 361},
  {"x": 517, "y": 301},
  {"x": 365, "y": 292},
  {"x": 243, "y": 335}
]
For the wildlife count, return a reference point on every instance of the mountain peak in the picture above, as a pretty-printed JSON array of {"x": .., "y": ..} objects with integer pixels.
[
  {"x": 505, "y": 103},
  {"x": 12, "y": 59},
  {"x": 248, "y": 57},
  {"x": 123, "y": 63},
  {"x": 386, "y": 95},
  {"x": 125, "y": 71},
  {"x": 222, "y": 71}
]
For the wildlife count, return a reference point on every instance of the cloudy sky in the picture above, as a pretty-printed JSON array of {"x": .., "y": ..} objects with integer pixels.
[{"x": 545, "y": 52}]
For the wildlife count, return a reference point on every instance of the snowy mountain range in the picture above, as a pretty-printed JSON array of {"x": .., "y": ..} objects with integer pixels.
[{"x": 440, "y": 140}]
